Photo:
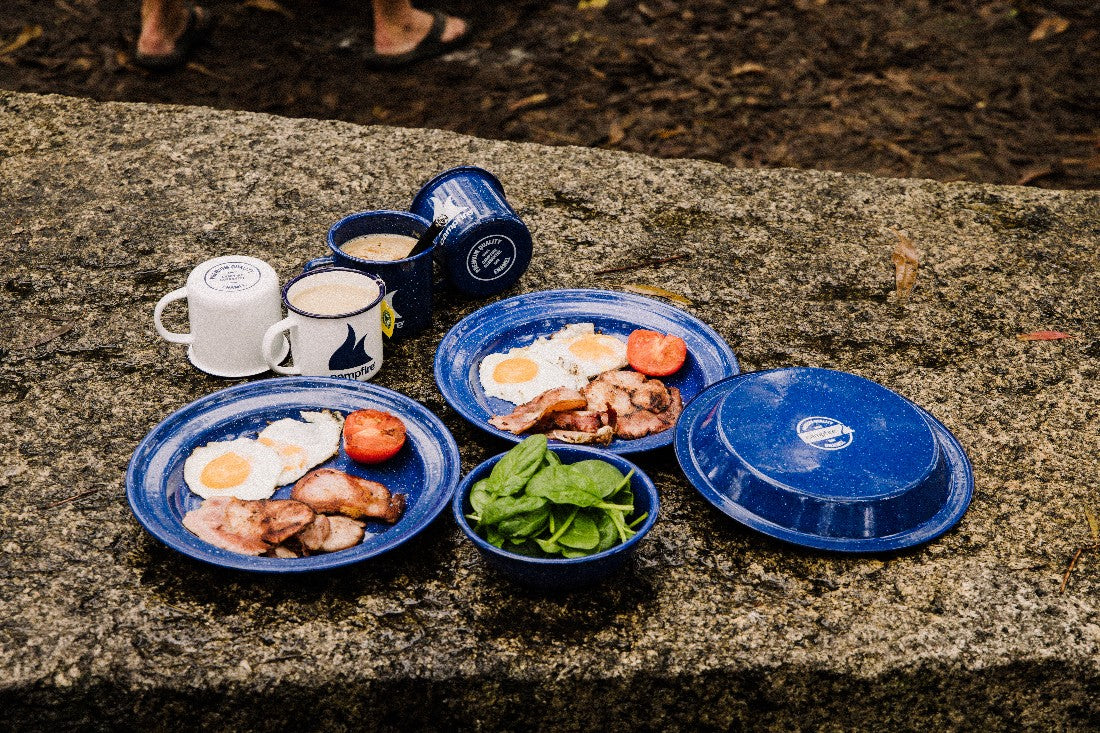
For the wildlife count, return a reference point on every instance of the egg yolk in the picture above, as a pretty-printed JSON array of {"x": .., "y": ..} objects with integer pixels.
[
  {"x": 225, "y": 471},
  {"x": 293, "y": 456},
  {"x": 591, "y": 347},
  {"x": 515, "y": 370}
]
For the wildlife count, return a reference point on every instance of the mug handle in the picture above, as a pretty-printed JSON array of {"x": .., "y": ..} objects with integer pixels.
[
  {"x": 175, "y": 338},
  {"x": 327, "y": 260},
  {"x": 270, "y": 337}
]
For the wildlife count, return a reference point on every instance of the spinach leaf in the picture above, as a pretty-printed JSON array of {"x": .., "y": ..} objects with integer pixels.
[
  {"x": 494, "y": 538},
  {"x": 517, "y": 466},
  {"x": 480, "y": 496},
  {"x": 550, "y": 547},
  {"x": 524, "y": 525},
  {"x": 504, "y": 507},
  {"x": 609, "y": 535},
  {"x": 551, "y": 459},
  {"x": 563, "y": 485},
  {"x": 606, "y": 478},
  {"x": 582, "y": 533}
]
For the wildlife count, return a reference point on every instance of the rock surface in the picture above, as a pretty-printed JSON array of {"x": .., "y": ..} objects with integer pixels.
[{"x": 106, "y": 207}]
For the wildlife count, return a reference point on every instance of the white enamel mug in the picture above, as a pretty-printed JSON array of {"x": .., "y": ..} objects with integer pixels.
[
  {"x": 231, "y": 302},
  {"x": 334, "y": 316}
]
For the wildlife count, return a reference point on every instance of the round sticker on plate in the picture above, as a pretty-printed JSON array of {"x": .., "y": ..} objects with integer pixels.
[
  {"x": 229, "y": 277},
  {"x": 491, "y": 257},
  {"x": 824, "y": 433}
]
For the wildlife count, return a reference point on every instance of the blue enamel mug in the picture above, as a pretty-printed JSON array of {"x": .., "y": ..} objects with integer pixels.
[
  {"x": 485, "y": 246},
  {"x": 408, "y": 280}
]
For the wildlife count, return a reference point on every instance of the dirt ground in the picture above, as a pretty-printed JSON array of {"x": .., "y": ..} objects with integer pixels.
[{"x": 1005, "y": 91}]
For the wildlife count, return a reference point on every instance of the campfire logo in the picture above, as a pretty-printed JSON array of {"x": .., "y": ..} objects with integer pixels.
[
  {"x": 824, "y": 433},
  {"x": 352, "y": 354}
]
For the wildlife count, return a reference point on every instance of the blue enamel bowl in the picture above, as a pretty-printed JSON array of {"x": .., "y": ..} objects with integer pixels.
[
  {"x": 824, "y": 459},
  {"x": 561, "y": 574}
]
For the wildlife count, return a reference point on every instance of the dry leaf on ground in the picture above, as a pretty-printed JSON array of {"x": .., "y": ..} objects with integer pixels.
[
  {"x": 1048, "y": 27},
  {"x": 28, "y": 34},
  {"x": 749, "y": 68},
  {"x": 534, "y": 99},
  {"x": 268, "y": 5},
  {"x": 659, "y": 292},
  {"x": 1043, "y": 336},
  {"x": 615, "y": 133},
  {"x": 905, "y": 266}
]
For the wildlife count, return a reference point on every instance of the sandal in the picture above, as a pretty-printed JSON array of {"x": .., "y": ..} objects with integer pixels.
[
  {"x": 430, "y": 46},
  {"x": 194, "y": 33}
]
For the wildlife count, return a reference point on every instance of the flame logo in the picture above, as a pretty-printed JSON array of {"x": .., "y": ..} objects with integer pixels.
[{"x": 351, "y": 353}]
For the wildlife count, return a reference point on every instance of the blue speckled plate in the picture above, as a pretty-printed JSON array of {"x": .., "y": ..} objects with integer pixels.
[
  {"x": 426, "y": 469},
  {"x": 518, "y": 321}
]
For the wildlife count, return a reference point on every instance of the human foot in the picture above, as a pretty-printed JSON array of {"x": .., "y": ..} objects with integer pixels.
[
  {"x": 169, "y": 32},
  {"x": 403, "y": 34}
]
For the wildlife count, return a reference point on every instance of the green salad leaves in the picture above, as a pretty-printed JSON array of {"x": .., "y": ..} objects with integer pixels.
[{"x": 532, "y": 504}]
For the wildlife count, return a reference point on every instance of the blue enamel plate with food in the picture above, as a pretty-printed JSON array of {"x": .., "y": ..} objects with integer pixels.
[
  {"x": 608, "y": 369},
  {"x": 258, "y": 477}
]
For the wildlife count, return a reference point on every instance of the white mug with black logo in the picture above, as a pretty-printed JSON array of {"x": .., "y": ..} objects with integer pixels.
[
  {"x": 231, "y": 302},
  {"x": 334, "y": 316}
]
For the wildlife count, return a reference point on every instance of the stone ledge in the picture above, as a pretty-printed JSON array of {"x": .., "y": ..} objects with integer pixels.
[{"x": 105, "y": 207}]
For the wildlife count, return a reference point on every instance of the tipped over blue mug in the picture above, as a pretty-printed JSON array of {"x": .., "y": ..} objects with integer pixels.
[
  {"x": 408, "y": 281},
  {"x": 485, "y": 247}
]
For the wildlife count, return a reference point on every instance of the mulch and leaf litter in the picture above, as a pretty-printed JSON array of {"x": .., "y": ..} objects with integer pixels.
[{"x": 1001, "y": 92}]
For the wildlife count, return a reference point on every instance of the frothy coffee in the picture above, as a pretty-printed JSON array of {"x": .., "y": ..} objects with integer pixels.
[
  {"x": 333, "y": 299},
  {"x": 382, "y": 247}
]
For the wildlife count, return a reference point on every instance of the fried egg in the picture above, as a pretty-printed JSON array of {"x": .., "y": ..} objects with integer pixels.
[
  {"x": 520, "y": 375},
  {"x": 240, "y": 468},
  {"x": 303, "y": 445},
  {"x": 578, "y": 349}
]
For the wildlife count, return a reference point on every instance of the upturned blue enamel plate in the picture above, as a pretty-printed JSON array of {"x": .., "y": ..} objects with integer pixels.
[
  {"x": 519, "y": 320},
  {"x": 426, "y": 469},
  {"x": 824, "y": 459}
]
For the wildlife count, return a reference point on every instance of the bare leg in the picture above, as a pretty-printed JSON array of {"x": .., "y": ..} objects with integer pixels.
[
  {"x": 399, "y": 27},
  {"x": 162, "y": 23}
]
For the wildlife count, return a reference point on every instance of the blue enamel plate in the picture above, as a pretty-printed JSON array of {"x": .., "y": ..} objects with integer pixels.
[
  {"x": 824, "y": 459},
  {"x": 426, "y": 469},
  {"x": 519, "y": 320}
]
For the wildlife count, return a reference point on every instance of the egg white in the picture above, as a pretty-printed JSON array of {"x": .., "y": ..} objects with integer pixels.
[
  {"x": 259, "y": 481},
  {"x": 303, "y": 445},
  {"x": 546, "y": 376},
  {"x": 566, "y": 348}
]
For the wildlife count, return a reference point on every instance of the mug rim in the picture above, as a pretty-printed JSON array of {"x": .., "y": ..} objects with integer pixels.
[
  {"x": 330, "y": 239},
  {"x": 320, "y": 270}
]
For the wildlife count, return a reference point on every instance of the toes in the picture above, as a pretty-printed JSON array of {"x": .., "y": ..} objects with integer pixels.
[{"x": 455, "y": 28}]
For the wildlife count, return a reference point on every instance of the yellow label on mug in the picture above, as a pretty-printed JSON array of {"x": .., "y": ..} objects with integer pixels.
[{"x": 389, "y": 318}]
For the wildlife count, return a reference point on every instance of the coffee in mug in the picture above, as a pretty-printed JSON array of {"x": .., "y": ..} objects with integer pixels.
[
  {"x": 370, "y": 241},
  {"x": 381, "y": 247},
  {"x": 334, "y": 316},
  {"x": 333, "y": 299}
]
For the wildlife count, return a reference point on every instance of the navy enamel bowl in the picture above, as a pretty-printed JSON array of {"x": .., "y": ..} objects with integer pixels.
[{"x": 562, "y": 574}]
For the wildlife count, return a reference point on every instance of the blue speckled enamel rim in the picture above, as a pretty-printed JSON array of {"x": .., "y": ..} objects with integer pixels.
[
  {"x": 426, "y": 469},
  {"x": 960, "y": 492},
  {"x": 519, "y": 320}
]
